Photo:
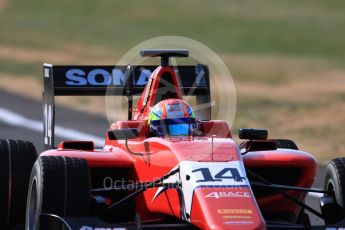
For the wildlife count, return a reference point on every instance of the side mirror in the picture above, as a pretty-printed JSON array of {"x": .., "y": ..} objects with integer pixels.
[
  {"x": 122, "y": 134},
  {"x": 253, "y": 134}
]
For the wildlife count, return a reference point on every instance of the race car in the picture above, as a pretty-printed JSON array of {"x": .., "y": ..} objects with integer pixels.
[{"x": 165, "y": 167}]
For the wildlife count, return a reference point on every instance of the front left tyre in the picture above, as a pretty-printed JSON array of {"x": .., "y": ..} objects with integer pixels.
[
  {"x": 16, "y": 160},
  {"x": 59, "y": 186}
]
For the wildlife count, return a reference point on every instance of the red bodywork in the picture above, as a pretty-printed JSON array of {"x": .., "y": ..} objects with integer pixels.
[{"x": 211, "y": 207}]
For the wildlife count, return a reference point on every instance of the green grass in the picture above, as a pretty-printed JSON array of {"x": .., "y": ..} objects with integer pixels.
[
  {"x": 311, "y": 28},
  {"x": 20, "y": 68}
]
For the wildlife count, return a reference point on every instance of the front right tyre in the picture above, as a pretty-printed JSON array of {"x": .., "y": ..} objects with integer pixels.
[{"x": 60, "y": 186}]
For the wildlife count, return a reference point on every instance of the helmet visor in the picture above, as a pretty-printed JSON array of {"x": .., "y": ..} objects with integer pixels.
[
  {"x": 178, "y": 130},
  {"x": 174, "y": 127}
]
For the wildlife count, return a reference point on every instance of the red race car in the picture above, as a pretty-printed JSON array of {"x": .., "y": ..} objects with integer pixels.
[{"x": 166, "y": 167}]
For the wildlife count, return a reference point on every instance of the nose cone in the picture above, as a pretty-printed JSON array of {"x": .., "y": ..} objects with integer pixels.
[
  {"x": 226, "y": 208},
  {"x": 217, "y": 195}
]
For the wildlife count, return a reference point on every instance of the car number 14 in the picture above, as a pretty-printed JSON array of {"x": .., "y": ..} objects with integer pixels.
[{"x": 223, "y": 174}]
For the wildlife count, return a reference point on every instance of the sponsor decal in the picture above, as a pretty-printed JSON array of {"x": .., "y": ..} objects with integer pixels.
[
  {"x": 237, "y": 217},
  {"x": 333, "y": 228},
  {"x": 116, "y": 76},
  {"x": 239, "y": 222},
  {"x": 176, "y": 107},
  {"x": 218, "y": 195},
  {"x": 102, "y": 77},
  {"x": 92, "y": 228},
  {"x": 200, "y": 79},
  {"x": 234, "y": 211}
]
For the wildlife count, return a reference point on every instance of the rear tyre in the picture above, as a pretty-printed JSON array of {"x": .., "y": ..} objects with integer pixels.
[
  {"x": 60, "y": 186},
  {"x": 16, "y": 160},
  {"x": 286, "y": 144},
  {"x": 335, "y": 183}
]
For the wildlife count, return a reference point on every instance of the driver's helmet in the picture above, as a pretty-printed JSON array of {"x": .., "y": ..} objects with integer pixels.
[{"x": 172, "y": 117}]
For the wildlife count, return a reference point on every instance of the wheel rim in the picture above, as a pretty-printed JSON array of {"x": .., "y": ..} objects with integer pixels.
[{"x": 32, "y": 206}]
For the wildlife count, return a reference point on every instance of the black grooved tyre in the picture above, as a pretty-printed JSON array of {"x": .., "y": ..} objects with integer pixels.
[
  {"x": 60, "y": 186},
  {"x": 335, "y": 182},
  {"x": 16, "y": 160}
]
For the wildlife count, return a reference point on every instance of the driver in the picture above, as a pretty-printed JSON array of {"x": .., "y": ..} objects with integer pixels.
[{"x": 172, "y": 117}]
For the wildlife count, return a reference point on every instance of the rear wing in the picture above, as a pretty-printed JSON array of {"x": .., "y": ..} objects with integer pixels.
[{"x": 115, "y": 81}]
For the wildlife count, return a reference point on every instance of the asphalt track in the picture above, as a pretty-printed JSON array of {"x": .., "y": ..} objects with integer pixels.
[{"x": 20, "y": 118}]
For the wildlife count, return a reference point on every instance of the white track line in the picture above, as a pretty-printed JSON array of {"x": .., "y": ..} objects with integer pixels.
[{"x": 16, "y": 119}]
